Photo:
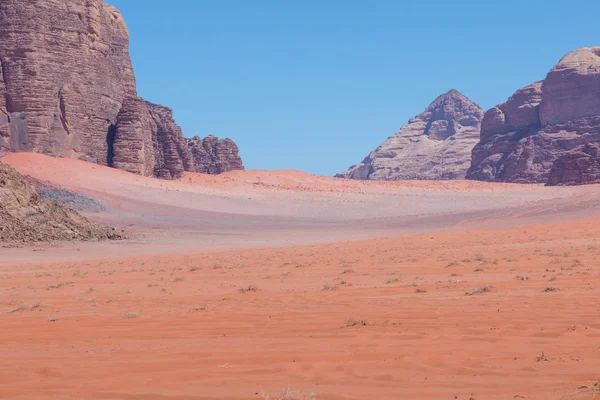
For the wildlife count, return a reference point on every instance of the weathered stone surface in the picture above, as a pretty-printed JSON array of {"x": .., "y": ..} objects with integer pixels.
[
  {"x": 67, "y": 89},
  {"x": 214, "y": 156},
  {"x": 520, "y": 111},
  {"x": 522, "y": 138},
  {"x": 25, "y": 216},
  {"x": 134, "y": 145},
  {"x": 65, "y": 72},
  {"x": 578, "y": 167},
  {"x": 434, "y": 145},
  {"x": 173, "y": 156},
  {"x": 572, "y": 88}
]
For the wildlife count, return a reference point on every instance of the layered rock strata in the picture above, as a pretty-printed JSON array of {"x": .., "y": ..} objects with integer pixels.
[{"x": 436, "y": 144}]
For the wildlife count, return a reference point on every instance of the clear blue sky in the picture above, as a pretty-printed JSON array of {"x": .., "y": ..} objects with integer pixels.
[{"x": 316, "y": 84}]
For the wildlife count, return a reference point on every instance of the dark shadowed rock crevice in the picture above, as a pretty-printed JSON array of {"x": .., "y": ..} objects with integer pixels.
[{"x": 436, "y": 144}]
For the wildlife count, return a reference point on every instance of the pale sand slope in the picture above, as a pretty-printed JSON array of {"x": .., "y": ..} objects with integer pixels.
[{"x": 261, "y": 208}]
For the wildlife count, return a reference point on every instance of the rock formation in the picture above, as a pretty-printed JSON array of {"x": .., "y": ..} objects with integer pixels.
[
  {"x": 27, "y": 217},
  {"x": 522, "y": 139},
  {"x": 67, "y": 89},
  {"x": 173, "y": 156},
  {"x": 578, "y": 167},
  {"x": 214, "y": 156},
  {"x": 436, "y": 144}
]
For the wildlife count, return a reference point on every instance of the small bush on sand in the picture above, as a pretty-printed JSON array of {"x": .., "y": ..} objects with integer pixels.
[
  {"x": 250, "y": 288},
  {"x": 20, "y": 307},
  {"x": 550, "y": 289},
  {"x": 130, "y": 315},
  {"x": 289, "y": 394},
  {"x": 354, "y": 322},
  {"x": 479, "y": 289}
]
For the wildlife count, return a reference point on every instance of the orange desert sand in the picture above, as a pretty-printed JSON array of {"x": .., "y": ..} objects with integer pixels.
[{"x": 241, "y": 285}]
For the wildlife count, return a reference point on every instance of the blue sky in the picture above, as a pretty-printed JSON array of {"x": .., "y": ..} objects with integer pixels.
[{"x": 315, "y": 85}]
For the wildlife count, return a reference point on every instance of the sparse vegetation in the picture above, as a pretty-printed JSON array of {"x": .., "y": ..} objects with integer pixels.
[
  {"x": 354, "y": 322},
  {"x": 479, "y": 289},
  {"x": 550, "y": 289},
  {"x": 20, "y": 307},
  {"x": 329, "y": 286},
  {"x": 543, "y": 358},
  {"x": 250, "y": 288},
  {"x": 130, "y": 315},
  {"x": 289, "y": 394},
  {"x": 57, "y": 285}
]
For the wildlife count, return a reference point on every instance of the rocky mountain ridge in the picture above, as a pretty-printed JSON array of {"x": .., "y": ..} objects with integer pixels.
[
  {"x": 435, "y": 144},
  {"x": 541, "y": 134}
]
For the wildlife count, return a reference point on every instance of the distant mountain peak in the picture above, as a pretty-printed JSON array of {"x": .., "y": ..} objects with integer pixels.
[{"x": 436, "y": 144}]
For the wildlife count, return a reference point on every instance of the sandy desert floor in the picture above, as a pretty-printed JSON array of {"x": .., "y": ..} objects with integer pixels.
[{"x": 240, "y": 285}]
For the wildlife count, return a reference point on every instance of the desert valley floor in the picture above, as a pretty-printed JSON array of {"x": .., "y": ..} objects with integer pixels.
[{"x": 241, "y": 285}]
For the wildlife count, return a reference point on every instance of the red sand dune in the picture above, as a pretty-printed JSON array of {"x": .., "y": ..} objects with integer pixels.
[{"x": 254, "y": 281}]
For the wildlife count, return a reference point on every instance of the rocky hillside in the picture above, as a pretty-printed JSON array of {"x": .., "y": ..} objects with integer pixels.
[
  {"x": 577, "y": 167},
  {"x": 213, "y": 155},
  {"x": 67, "y": 89},
  {"x": 27, "y": 217},
  {"x": 540, "y": 134},
  {"x": 436, "y": 144}
]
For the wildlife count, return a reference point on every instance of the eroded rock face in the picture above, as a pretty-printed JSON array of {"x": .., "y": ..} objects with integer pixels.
[
  {"x": 522, "y": 138},
  {"x": 67, "y": 89},
  {"x": 134, "y": 144},
  {"x": 436, "y": 144},
  {"x": 572, "y": 88},
  {"x": 65, "y": 72},
  {"x": 214, "y": 156},
  {"x": 172, "y": 154},
  {"x": 578, "y": 167}
]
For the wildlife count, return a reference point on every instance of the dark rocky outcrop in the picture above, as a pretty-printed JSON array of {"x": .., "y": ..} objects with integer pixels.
[
  {"x": 213, "y": 155},
  {"x": 25, "y": 216},
  {"x": 578, "y": 167},
  {"x": 67, "y": 89},
  {"x": 522, "y": 139},
  {"x": 436, "y": 144}
]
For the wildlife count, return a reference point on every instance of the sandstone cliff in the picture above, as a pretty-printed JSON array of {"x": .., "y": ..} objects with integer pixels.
[
  {"x": 578, "y": 167},
  {"x": 67, "y": 89},
  {"x": 522, "y": 139},
  {"x": 213, "y": 155},
  {"x": 436, "y": 144}
]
